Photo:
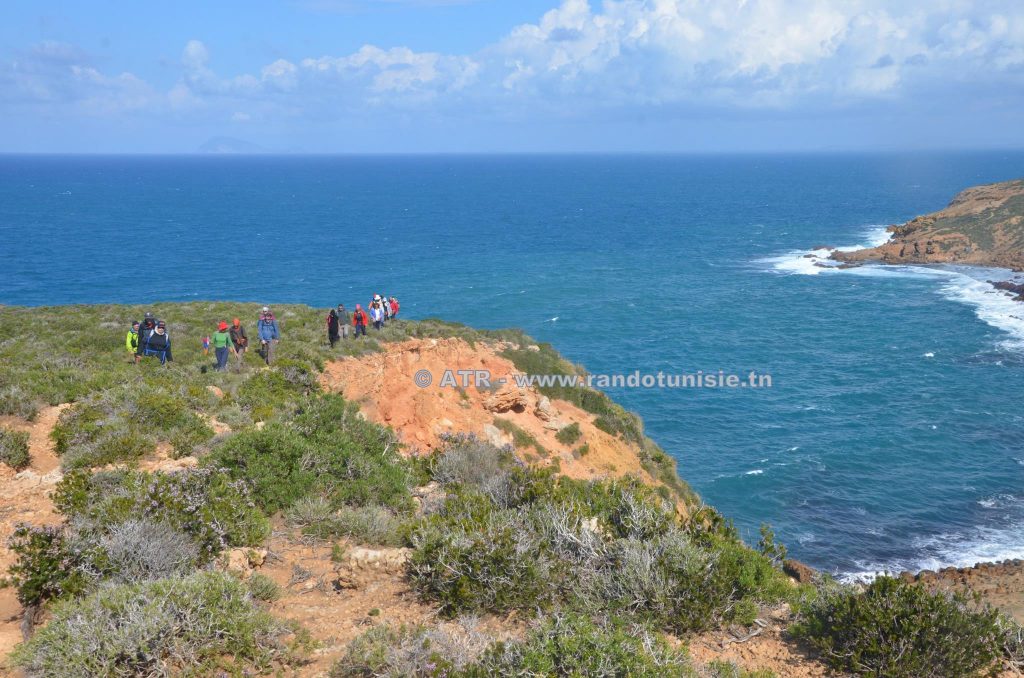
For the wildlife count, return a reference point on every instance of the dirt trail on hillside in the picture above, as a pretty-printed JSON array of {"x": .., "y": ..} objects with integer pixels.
[
  {"x": 384, "y": 386},
  {"x": 25, "y": 498}
]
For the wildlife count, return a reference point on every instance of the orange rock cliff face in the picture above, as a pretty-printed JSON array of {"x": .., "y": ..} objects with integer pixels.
[{"x": 384, "y": 386}]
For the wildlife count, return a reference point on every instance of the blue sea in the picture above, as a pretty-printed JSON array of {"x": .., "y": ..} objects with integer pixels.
[{"x": 893, "y": 434}]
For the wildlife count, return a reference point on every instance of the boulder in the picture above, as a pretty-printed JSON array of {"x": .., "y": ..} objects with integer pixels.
[
  {"x": 242, "y": 561},
  {"x": 544, "y": 411},
  {"x": 803, "y": 574},
  {"x": 508, "y": 397},
  {"x": 494, "y": 436}
]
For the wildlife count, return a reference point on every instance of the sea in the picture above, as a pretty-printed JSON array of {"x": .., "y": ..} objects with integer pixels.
[{"x": 891, "y": 437}]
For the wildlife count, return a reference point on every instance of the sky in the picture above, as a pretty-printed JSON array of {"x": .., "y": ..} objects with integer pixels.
[{"x": 424, "y": 76}]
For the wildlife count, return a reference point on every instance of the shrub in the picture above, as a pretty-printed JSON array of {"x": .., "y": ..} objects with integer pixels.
[
  {"x": 262, "y": 587},
  {"x": 47, "y": 566},
  {"x": 375, "y": 525},
  {"x": 14, "y": 448},
  {"x": 141, "y": 549},
  {"x": 124, "y": 423},
  {"x": 17, "y": 402},
  {"x": 410, "y": 651},
  {"x": 274, "y": 460},
  {"x": 573, "y": 645},
  {"x": 473, "y": 557},
  {"x": 156, "y": 628},
  {"x": 899, "y": 629},
  {"x": 568, "y": 435},
  {"x": 328, "y": 450},
  {"x": 214, "y": 510}
]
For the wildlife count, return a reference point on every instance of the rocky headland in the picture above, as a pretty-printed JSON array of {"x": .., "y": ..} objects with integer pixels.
[{"x": 982, "y": 226}]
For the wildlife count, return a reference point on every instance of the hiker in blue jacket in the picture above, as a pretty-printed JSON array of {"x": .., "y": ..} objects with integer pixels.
[{"x": 268, "y": 332}]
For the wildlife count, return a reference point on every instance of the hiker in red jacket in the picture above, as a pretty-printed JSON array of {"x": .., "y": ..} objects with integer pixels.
[
  {"x": 359, "y": 320},
  {"x": 394, "y": 307}
]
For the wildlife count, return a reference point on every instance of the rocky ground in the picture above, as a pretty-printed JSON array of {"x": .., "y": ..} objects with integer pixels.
[{"x": 982, "y": 226}]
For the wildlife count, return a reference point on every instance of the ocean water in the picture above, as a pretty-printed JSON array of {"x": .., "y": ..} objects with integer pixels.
[{"x": 892, "y": 436}]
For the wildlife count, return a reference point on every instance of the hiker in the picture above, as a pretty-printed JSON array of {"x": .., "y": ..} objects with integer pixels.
[
  {"x": 131, "y": 340},
  {"x": 377, "y": 314},
  {"x": 206, "y": 344},
  {"x": 394, "y": 307},
  {"x": 332, "y": 327},
  {"x": 222, "y": 345},
  {"x": 343, "y": 321},
  {"x": 239, "y": 339},
  {"x": 146, "y": 329},
  {"x": 386, "y": 305},
  {"x": 268, "y": 332},
  {"x": 157, "y": 343},
  {"x": 359, "y": 321}
]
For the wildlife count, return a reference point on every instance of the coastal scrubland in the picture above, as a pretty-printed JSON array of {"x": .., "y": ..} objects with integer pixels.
[{"x": 172, "y": 474}]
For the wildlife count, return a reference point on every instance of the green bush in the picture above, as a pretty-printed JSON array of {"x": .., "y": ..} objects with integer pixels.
[
  {"x": 327, "y": 450},
  {"x": 47, "y": 566},
  {"x": 214, "y": 510},
  {"x": 474, "y": 556},
  {"x": 125, "y": 423},
  {"x": 262, "y": 587},
  {"x": 168, "y": 626},
  {"x": 902, "y": 630},
  {"x": 14, "y": 448},
  {"x": 568, "y": 435},
  {"x": 573, "y": 645}
]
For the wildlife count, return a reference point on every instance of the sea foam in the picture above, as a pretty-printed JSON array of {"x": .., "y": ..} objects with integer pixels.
[{"x": 963, "y": 284}]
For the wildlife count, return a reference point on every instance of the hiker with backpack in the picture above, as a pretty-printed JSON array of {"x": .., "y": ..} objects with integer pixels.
[
  {"x": 332, "y": 327},
  {"x": 131, "y": 340},
  {"x": 343, "y": 321},
  {"x": 221, "y": 341},
  {"x": 268, "y": 332},
  {"x": 239, "y": 339},
  {"x": 145, "y": 329},
  {"x": 157, "y": 343},
  {"x": 359, "y": 320}
]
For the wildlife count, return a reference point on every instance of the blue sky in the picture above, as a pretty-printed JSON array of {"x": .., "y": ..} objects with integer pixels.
[{"x": 512, "y": 75}]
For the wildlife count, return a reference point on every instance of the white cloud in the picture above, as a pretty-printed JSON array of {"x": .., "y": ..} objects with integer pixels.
[{"x": 581, "y": 57}]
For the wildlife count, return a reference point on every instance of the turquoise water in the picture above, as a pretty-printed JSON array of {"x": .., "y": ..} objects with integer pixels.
[{"x": 892, "y": 436}]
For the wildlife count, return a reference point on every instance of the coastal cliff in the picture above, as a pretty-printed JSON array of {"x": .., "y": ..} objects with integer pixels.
[
  {"x": 338, "y": 516},
  {"x": 982, "y": 226}
]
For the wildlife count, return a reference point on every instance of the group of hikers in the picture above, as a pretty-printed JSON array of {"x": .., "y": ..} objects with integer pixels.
[
  {"x": 149, "y": 338},
  {"x": 382, "y": 308}
]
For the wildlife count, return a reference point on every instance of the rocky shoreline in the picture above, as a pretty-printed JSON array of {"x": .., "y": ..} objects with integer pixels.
[{"x": 981, "y": 226}]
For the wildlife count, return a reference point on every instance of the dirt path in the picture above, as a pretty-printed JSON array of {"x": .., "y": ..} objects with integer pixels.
[{"x": 25, "y": 498}]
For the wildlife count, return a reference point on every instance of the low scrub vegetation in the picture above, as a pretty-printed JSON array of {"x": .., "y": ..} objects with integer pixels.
[
  {"x": 513, "y": 538},
  {"x": 326, "y": 450},
  {"x": 898, "y": 629},
  {"x": 14, "y": 448},
  {"x": 195, "y": 625}
]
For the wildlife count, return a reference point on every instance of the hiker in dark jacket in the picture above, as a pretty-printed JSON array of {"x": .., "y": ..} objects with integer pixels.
[
  {"x": 239, "y": 339},
  {"x": 157, "y": 343},
  {"x": 332, "y": 327},
  {"x": 146, "y": 329}
]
